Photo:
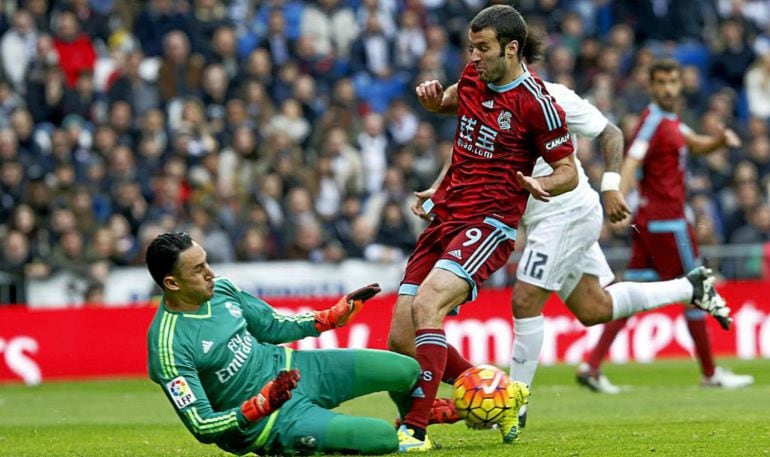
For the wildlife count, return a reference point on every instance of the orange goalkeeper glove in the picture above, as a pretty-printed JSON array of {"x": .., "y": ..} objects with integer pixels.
[
  {"x": 345, "y": 309},
  {"x": 271, "y": 397}
]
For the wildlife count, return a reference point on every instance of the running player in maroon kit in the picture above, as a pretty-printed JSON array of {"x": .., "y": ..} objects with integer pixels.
[
  {"x": 506, "y": 120},
  {"x": 662, "y": 241}
]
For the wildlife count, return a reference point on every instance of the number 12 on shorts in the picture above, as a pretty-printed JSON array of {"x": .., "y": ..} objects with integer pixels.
[{"x": 534, "y": 268}]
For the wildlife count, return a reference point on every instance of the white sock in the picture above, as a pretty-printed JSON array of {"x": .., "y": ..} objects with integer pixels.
[
  {"x": 629, "y": 298},
  {"x": 527, "y": 343}
]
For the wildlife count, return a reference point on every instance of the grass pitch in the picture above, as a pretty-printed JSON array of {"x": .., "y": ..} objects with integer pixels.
[{"x": 663, "y": 412}]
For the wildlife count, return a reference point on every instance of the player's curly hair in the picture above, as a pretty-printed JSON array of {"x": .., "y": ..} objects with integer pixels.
[
  {"x": 163, "y": 254},
  {"x": 507, "y": 23}
]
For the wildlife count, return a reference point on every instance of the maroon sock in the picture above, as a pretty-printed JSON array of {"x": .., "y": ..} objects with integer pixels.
[
  {"x": 700, "y": 337},
  {"x": 455, "y": 364},
  {"x": 611, "y": 330},
  {"x": 431, "y": 347}
]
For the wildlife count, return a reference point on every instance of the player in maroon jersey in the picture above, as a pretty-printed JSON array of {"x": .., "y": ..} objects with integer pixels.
[
  {"x": 662, "y": 242},
  {"x": 506, "y": 121}
]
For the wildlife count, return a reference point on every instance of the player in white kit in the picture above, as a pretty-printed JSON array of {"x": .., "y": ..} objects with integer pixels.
[{"x": 562, "y": 252}]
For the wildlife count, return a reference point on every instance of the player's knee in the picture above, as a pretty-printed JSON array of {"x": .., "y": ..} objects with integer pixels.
[
  {"x": 407, "y": 372},
  {"x": 425, "y": 307},
  {"x": 526, "y": 302},
  {"x": 400, "y": 343},
  {"x": 593, "y": 315}
]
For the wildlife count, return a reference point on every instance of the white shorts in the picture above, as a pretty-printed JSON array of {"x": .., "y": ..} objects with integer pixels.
[{"x": 561, "y": 248}]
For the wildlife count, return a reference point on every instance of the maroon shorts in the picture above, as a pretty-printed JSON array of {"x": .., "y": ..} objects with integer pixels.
[
  {"x": 666, "y": 247},
  {"x": 472, "y": 250}
]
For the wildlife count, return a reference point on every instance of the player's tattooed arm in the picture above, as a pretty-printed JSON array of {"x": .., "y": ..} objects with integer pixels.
[
  {"x": 615, "y": 206},
  {"x": 611, "y": 141}
]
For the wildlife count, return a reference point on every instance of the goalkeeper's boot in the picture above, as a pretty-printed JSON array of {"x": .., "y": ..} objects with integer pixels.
[
  {"x": 706, "y": 297},
  {"x": 407, "y": 442},
  {"x": 523, "y": 417},
  {"x": 509, "y": 423}
]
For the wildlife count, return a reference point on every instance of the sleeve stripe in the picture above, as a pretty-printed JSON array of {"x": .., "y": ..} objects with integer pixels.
[
  {"x": 166, "y": 345},
  {"x": 649, "y": 126},
  {"x": 212, "y": 425},
  {"x": 546, "y": 103}
]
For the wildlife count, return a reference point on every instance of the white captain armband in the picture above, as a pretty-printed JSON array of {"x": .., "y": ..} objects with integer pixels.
[{"x": 610, "y": 181}]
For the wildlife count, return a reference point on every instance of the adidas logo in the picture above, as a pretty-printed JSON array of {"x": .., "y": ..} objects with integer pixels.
[
  {"x": 207, "y": 346},
  {"x": 489, "y": 104},
  {"x": 418, "y": 393},
  {"x": 456, "y": 254}
]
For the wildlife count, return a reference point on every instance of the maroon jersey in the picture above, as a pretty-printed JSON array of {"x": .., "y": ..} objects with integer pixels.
[
  {"x": 660, "y": 144},
  {"x": 501, "y": 130}
]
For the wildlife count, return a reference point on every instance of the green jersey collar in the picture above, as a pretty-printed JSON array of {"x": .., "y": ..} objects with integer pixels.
[{"x": 203, "y": 312}]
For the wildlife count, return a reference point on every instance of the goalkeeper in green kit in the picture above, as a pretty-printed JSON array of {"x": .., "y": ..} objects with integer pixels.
[{"x": 214, "y": 351}]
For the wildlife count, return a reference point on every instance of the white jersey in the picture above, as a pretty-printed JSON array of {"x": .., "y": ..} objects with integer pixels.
[{"x": 582, "y": 119}]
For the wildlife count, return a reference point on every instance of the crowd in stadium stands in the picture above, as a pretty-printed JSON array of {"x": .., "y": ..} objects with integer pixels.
[{"x": 286, "y": 129}]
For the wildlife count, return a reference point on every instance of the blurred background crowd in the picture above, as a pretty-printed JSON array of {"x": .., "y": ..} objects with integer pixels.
[{"x": 287, "y": 129}]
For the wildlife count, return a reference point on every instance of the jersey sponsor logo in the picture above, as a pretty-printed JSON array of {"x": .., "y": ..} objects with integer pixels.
[
  {"x": 234, "y": 310},
  {"x": 207, "y": 346},
  {"x": 504, "y": 120},
  {"x": 456, "y": 254},
  {"x": 241, "y": 348},
  {"x": 489, "y": 104},
  {"x": 555, "y": 143},
  {"x": 481, "y": 142},
  {"x": 180, "y": 392}
]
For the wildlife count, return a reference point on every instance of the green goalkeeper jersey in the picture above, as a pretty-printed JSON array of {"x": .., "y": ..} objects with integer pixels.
[{"x": 210, "y": 361}]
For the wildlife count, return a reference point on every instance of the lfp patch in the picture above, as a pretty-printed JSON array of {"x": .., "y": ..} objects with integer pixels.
[{"x": 180, "y": 392}]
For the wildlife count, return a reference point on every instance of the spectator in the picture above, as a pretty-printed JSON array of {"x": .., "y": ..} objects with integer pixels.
[
  {"x": 95, "y": 24},
  {"x": 155, "y": 22},
  {"x": 17, "y": 48},
  {"x": 730, "y": 64},
  {"x": 68, "y": 255},
  {"x": 207, "y": 16},
  {"x": 14, "y": 258},
  {"x": 331, "y": 26},
  {"x": 76, "y": 52},
  {"x": 345, "y": 161},
  {"x": 757, "y": 81},
  {"x": 180, "y": 72},
  {"x": 225, "y": 52},
  {"x": 129, "y": 86},
  {"x": 276, "y": 43},
  {"x": 253, "y": 246},
  {"x": 290, "y": 121},
  {"x": 45, "y": 97},
  {"x": 373, "y": 145}
]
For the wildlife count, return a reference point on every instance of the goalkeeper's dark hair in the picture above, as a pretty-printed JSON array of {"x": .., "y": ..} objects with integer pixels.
[
  {"x": 163, "y": 254},
  {"x": 534, "y": 47},
  {"x": 507, "y": 23}
]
